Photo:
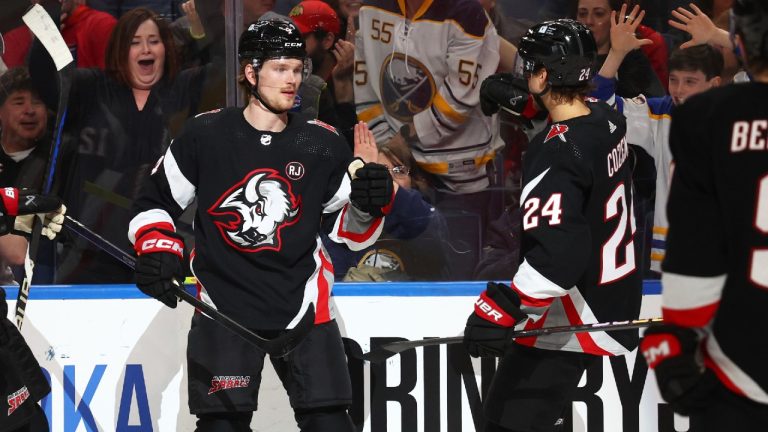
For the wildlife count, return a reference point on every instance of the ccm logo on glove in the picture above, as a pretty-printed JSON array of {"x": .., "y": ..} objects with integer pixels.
[
  {"x": 157, "y": 241},
  {"x": 659, "y": 347},
  {"x": 156, "y": 245}
]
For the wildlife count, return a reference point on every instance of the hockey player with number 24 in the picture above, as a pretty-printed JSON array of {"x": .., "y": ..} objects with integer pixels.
[
  {"x": 263, "y": 178},
  {"x": 710, "y": 358},
  {"x": 578, "y": 237}
]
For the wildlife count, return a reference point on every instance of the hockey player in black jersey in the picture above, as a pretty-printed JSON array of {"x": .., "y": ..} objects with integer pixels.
[
  {"x": 263, "y": 178},
  {"x": 710, "y": 359},
  {"x": 578, "y": 243},
  {"x": 22, "y": 384}
]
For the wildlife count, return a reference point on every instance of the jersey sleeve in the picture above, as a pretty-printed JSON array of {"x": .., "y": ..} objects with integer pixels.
[
  {"x": 170, "y": 188},
  {"x": 351, "y": 227},
  {"x": 694, "y": 270},
  {"x": 367, "y": 103},
  {"x": 557, "y": 235},
  {"x": 473, "y": 55},
  {"x": 636, "y": 110}
]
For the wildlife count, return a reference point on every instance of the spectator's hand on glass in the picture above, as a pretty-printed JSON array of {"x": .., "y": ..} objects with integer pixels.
[
  {"x": 344, "y": 52},
  {"x": 624, "y": 27},
  {"x": 694, "y": 22},
  {"x": 196, "y": 29},
  {"x": 365, "y": 143}
]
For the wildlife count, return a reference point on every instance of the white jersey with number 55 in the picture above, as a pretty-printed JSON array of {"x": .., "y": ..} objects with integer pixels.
[{"x": 427, "y": 71}]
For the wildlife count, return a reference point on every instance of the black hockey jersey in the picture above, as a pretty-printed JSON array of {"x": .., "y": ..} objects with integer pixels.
[
  {"x": 716, "y": 266},
  {"x": 578, "y": 249},
  {"x": 260, "y": 196}
]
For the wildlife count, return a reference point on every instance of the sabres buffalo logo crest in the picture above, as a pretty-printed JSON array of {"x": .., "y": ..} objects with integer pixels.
[
  {"x": 251, "y": 214},
  {"x": 407, "y": 86}
]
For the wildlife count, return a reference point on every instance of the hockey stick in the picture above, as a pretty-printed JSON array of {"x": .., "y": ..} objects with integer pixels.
[
  {"x": 388, "y": 350},
  {"x": 277, "y": 347},
  {"x": 43, "y": 27}
]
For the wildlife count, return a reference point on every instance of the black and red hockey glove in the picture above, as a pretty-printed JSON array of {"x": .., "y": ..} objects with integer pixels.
[
  {"x": 372, "y": 189},
  {"x": 674, "y": 353},
  {"x": 18, "y": 208},
  {"x": 497, "y": 310},
  {"x": 505, "y": 90},
  {"x": 159, "y": 263}
]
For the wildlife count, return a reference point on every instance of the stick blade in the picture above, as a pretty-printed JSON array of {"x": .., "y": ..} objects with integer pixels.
[
  {"x": 380, "y": 354},
  {"x": 388, "y": 350}
]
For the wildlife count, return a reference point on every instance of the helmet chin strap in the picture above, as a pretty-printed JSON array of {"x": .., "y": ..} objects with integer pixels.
[
  {"x": 538, "y": 96},
  {"x": 255, "y": 93}
]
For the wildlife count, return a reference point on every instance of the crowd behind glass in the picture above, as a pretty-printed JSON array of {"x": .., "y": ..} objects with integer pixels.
[{"x": 183, "y": 54}]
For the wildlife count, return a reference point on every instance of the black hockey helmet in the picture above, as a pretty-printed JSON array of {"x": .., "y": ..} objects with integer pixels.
[
  {"x": 750, "y": 22},
  {"x": 264, "y": 40},
  {"x": 565, "y": 47}
]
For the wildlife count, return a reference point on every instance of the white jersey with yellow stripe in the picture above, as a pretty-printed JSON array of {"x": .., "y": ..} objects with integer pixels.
[
  {"x": 427, "y": 71},
  {"x": 648, "y": 121}
]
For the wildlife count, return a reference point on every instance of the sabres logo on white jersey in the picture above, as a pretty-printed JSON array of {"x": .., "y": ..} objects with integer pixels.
[
  {"x": 251, "y": 214},
  {"x": 407, "y": 86}
]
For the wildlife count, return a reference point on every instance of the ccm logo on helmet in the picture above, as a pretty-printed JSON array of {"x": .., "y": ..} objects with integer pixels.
[
  {"x": 293, "y": 44},
  {"x": 162, "y": 244}
]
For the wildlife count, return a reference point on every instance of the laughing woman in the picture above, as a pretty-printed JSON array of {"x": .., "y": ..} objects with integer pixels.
[{"x": 120, "y": 121}]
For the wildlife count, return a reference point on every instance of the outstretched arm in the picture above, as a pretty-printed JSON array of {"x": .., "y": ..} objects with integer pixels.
[
  {"x": 697, "y": 24},
  {"x": 623, "y": 38},
  {"x": 507, "y": 55}
]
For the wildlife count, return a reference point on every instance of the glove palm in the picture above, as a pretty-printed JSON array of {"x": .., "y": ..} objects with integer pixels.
[{"x": 372, "y": 189}]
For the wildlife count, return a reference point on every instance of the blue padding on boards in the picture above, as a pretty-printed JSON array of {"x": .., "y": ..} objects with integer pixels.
[{"x": 351, "y": 289}]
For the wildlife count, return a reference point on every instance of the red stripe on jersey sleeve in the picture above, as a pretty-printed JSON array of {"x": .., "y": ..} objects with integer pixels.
[
  {"x": 694, "y": 317},
  {"x": 588, "y": 344},
  {"x": 357, "y": 237},
  {"x": 322, "y": 314},
  {"x": 532, "y": 325},
  {"x": 730, "y": 385},
  {"x": 529, "y": 301}
]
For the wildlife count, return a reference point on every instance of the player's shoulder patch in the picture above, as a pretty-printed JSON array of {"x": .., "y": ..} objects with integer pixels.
[
  {"x": 323, "y": 125},
  {"x": 213, "y": 111},
  {"x": 557, "y": 130}
]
